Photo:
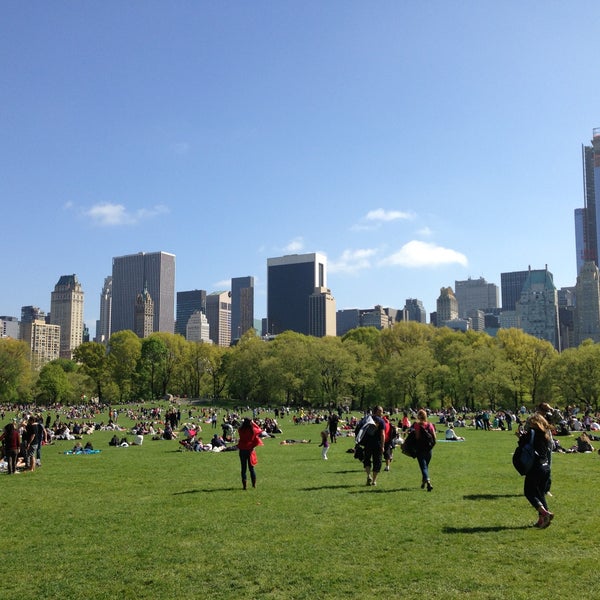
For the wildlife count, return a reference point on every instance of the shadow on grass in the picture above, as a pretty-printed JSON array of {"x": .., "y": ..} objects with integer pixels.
[
  {"x": 490, "y": 496},
  {"x": 381, "y": 490},
  {"x": 326, "y": 487},
  {"x": 207, "y": 490},
  {"x": 490, "y": 529}
]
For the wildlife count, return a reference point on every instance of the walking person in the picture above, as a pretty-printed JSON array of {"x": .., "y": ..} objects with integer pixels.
[
  {"x": 426, "y": 438},
  {"x": 374, "y": 445},
  {"x": 537, "y": 479},
  {"x": 324, "y": 443},
  {"x": 249, "y": 438}
]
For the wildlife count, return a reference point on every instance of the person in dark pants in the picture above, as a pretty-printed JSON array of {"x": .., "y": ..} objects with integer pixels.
[
  {"x": 332, "y": 424},
  {"x": 425, "y": 444},
  {"x": 249, "y": 438},
  {"x": 374, "y": 445},
  {"x": 537, "y": 480}
]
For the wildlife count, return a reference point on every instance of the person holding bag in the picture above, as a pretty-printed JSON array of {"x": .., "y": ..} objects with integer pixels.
[{"x": 249, "y": 437}]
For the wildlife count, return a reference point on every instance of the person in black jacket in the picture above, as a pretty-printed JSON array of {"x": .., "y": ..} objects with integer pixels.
[{"x": 538, "y": 477}]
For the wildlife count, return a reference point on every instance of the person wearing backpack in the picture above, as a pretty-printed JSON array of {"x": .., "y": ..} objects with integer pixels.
[
  {"x": 425, "y": 435},
  {"x": 374, "y": 442}
]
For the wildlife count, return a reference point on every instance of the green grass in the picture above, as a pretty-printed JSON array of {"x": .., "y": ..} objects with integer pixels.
[{"x": 153, "y": 522}]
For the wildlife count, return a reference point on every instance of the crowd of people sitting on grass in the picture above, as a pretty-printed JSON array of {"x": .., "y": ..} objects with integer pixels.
[{"x": 72, "y": 423}]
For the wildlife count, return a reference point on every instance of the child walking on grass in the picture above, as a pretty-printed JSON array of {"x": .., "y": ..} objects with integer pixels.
[{"x": 324, "y": 443}]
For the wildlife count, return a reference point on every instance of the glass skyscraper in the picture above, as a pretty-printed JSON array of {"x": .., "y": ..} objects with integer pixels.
[
  {"x": 291, "y": 280},
  {"x": 153, "y": 271},
  {"x": 242, "y": 306}
]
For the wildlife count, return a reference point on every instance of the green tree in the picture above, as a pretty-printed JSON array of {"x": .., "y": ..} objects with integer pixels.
[
  {"x": 15, "y": 369},
  {"x": 245, "y": 372},
  {"x": 94, "y": 363},
  {"x": 124, "y": 352},
  {"x": 53, "y": 384}
]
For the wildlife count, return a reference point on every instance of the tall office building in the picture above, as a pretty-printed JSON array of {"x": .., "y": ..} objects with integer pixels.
[
  {"x": 447, "y": 306},
  {"x": 187, "y": 304},
  {"x": 587, "y": 221},
  {"x": 43, "y": 340},
  {"x": 66, "y": 310},
  {"x": 154, "y": 271},
  {"x": 242, "y": 306},
  {"x": 475, "y": 294},
  {"x": 218, "y": 315},
  {"x": 103, "y": 323},
  {"x": 198, "y": 329},
  {"x": 511, "y": 285},
  {"x": 415, "y": 311},
  {"x": 586, "y": 323},
  {"x": 321, "y": 313},
  {"x": 32, "y": 313},
  {"x": 537, "y": 308},
  {"x": 291, "y": 280}
]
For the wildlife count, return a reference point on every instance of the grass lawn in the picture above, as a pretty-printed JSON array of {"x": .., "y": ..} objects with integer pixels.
[{"x": 154, "y": 522}]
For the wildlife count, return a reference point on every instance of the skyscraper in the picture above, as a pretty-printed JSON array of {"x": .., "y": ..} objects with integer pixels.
[
  {"x": 154, "y": 271},
  {"x": 321, "y": 313},
  {"x": 43, "y": 340},
  {"x": 587, "y": 309},
  {"x": 291, "y": 280},
  {"x": 537, "y": 308},
  {"x": 144, "y": 314},
  {"x": 447, "y": 306},
  {"x": 415, "y": 310},
  {"x": 187, "y": 304},
  {"x": 66, "y": 310},
  {"x": 511, "y": 285},
  {"x": 587, "y": 223},
  {"x": 242, "y": 306},
  {"x": 218, "y": 315},
  {"x": 103, "y": 323},
  {"x": 475, "y": 294}
]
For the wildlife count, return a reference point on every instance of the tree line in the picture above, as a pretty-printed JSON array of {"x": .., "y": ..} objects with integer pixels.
[{"x": 408, "y": 365}]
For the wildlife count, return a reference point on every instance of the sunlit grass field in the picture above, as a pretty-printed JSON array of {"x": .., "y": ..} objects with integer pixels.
[{"x": 155, "y": 522}]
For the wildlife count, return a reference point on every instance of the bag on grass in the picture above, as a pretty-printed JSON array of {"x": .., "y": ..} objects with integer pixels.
[{"x": 524, "y": 454}]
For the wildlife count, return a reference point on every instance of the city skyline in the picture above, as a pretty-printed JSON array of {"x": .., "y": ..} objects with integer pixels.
[{"x": 226, "y": 135}]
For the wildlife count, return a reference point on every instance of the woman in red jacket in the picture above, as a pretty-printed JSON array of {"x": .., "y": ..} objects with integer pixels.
[{"x": 249, "y": 438}]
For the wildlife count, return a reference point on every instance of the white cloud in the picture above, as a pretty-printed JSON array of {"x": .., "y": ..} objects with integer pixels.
[
  {"x": 423, "y": 254},
  {"x": 352, "y": 261},
  {"x": 295, "y": 245},
  {"x": 388, "y": 215},
  {"x": 107, "y": 214}
]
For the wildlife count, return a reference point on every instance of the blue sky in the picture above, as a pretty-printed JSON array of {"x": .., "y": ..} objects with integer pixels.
[{"x": 413, "y": 143}]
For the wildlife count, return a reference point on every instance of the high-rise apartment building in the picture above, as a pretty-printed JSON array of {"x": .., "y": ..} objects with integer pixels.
[
  {"x": 66, "y": 310},
  {"x": 511, "y": 285},
  {"x": 9, "y": 327},
  {"x": 586, "y": 319},
  {"x": 587, "y": 221},
  {"x": 321, "y": 313},
  {"x": 537, "y": 308},
  {"x": 242, "y": 306},
  {"x": 218, "y": 314},
  {"x": 415, "y": 311},
  {"x": 43, "y": 340},
  {"x": 291, "y": 280},
  {"x": 154, "y": 271},
  {"x": 144, "y": 314},
  {"x": 475, "y": 294},
  {"x": 187, "y": 304},
  {"x": 447, "y": 306},
  {"x": 103, "y": 323}
]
